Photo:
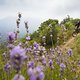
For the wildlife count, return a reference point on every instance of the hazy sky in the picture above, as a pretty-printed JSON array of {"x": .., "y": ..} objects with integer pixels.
[{"x": 40, "y": 9}]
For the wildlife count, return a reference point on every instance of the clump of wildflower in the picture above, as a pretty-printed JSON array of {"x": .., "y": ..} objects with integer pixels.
[
  {"x": 17, "y": 56},
  {"x": 7, "y": 67},
  {"x": 31, "y": 64},
  {"x": 11, "y": 36},
  {"x": 69, "y": 52},
  {"x": 36, "y": 73},
  {"x": 62, "y": 67},
  {"x": 51, "y": 64},
  {"x": 18, "y": 77}
]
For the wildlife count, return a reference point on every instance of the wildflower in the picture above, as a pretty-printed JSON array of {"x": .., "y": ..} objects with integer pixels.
[
  {"x": 58, "y": 60},
  {"x": 28, "y": 38},
  {"x": 62, "y": 66},
  {"x": 69, "y": 52},
  {"x": 7, "y": 67},
  {"x": 50, "y": 62},
  {"x": 31, "y": 64},
  {"x": 39, "y": 73},
  {"x": 44, "y": 62},
  {"x": 17, "y": 56},
  {"x": 18, "y": 77},
  {"x": 11, "y": 36},
  {"x": 17, "y": 50},
  {"x": 31, "y": 74},
  {"x": 41, "y": 76},
  {"x": 36, "y": 73},
  {"x": 10, "y": 46},
  {"x": 35, "y": 44}
]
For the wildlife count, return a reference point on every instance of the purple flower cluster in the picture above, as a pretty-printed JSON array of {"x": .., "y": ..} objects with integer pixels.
[
  {"x": 7, "y": 67},
  {"x": 69, "y": 52},
  {"x": 18, "y": 77},
  {"x": 17, "y": 56},
  {"x": 11, "y": 36},
  {"x": 36, "y": 73},
  {"x": 31, "y": 64},
  {"x": 17, "y": 50},
  {"x": 62, "y": 66}
]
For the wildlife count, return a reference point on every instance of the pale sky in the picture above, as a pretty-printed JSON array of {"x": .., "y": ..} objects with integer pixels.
[{"x": 40, "y": 9}]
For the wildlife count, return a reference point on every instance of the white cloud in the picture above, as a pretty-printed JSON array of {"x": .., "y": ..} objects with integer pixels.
[{"x": 42, "y": 9}]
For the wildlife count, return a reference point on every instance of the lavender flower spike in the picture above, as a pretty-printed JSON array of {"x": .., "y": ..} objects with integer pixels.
[{"x": 18, "y": 77}]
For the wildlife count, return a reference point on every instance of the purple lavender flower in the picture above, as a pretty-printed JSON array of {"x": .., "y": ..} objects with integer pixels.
[
  {"x": 44, "y": 62},
  {"x": 11, "y": 36},
  {"x": 28, "y": 38},
  {"x": 18, "y": 77},
  {"x": 31, "y": 64},
  {"x": 35, "y": 44},
  {"x": 36, "y": 73},
  {"x": 50, "y": 62},
  {"x": 41, "y": 76},
  {"x": 35, "y": 48},
  {"x": 58, "y": 59},
  {"x": 10, "y": 46},
  {"x": 17, "y": 50},
  {"x": 59, "y": 53},
  {"x": 69, "y": 52},
  {"x": 32, "y": 77},
  {"x": 39, "y": 68},
  {"x": 7, "y": 67},
  {"x": 30, "y": 71},
  {"x": 62, "y": 66},
  {"x": 48, "y": 56},
  {"x": 31, "y": 74},
  {"x": 17, "y": 56}
]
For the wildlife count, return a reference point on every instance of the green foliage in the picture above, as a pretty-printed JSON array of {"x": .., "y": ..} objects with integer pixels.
[{"x": 46, "y": 30}]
